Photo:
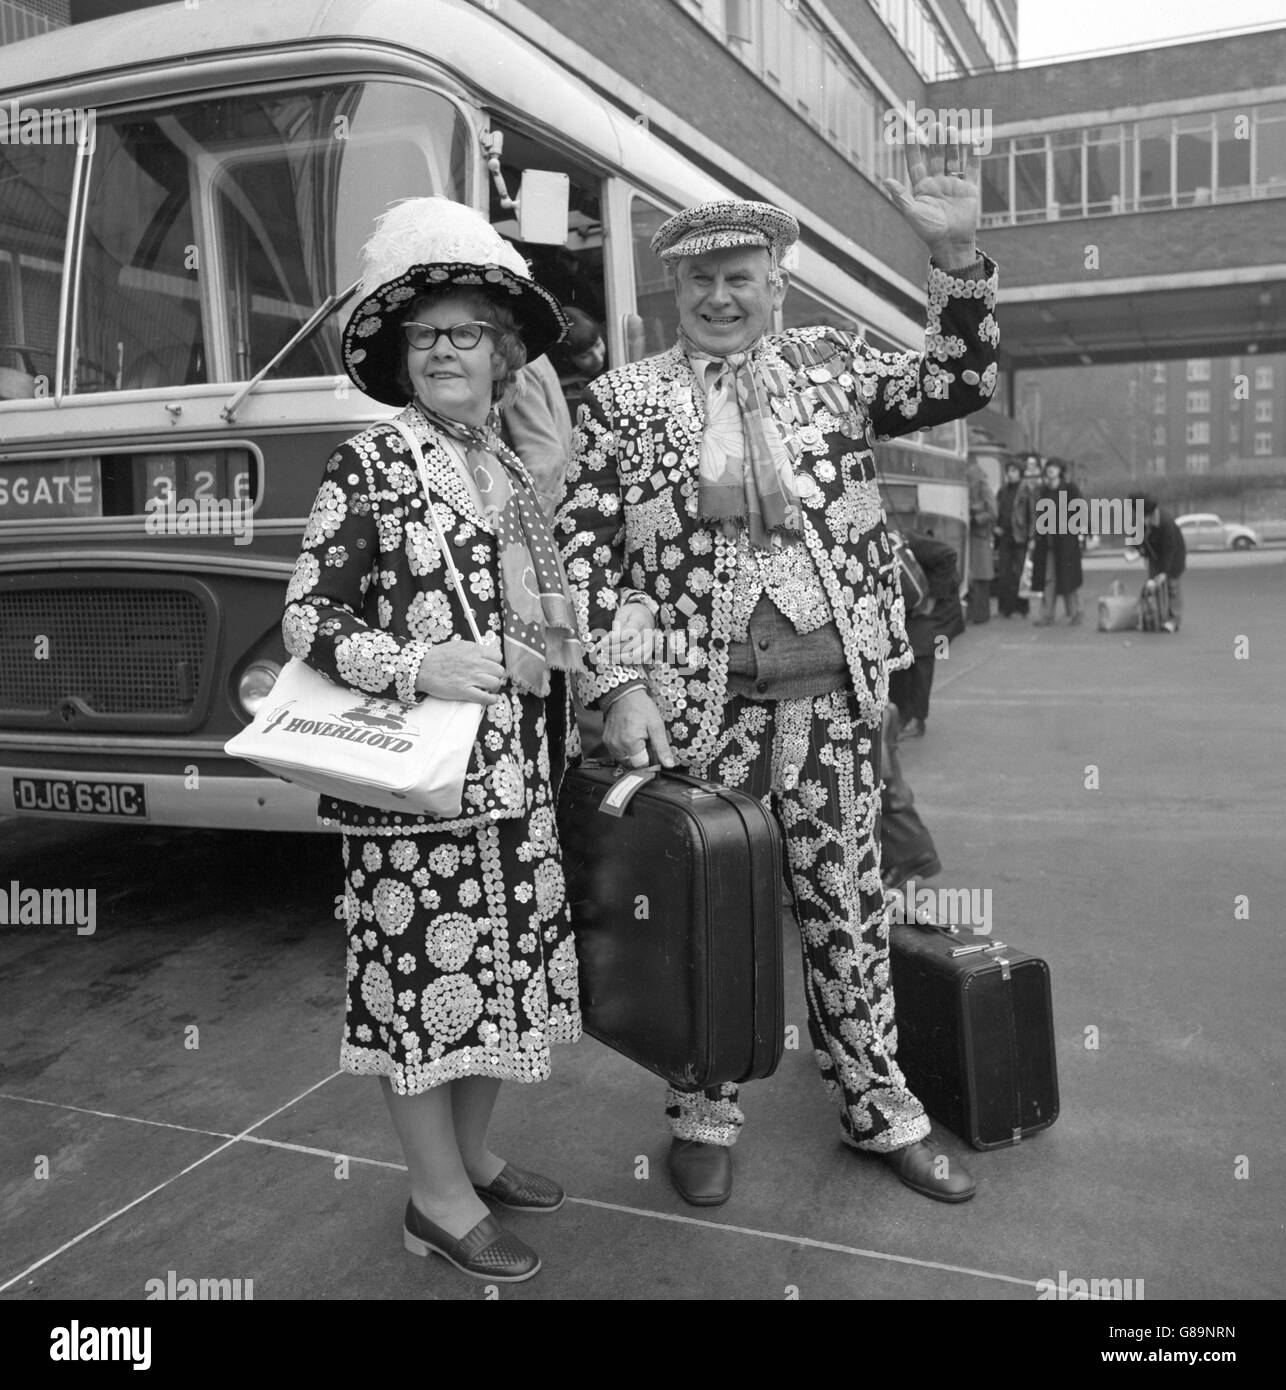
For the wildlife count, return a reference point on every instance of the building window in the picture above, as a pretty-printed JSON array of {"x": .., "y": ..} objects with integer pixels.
[
  {"x": 1158, "y": 373},
  {"x": 1198, "y": 432},
  {"x": 1264, "y": 412},
  {"x": 993, "y": 35},
  {"x": 1031, "y": 198},
  {"x": 1234, "y": 432},
  {"x": 1156, "y": 464},
  {"x": 1158, "y": 434},
  {"x": 1066, "y": 161},
  {"x": 1263, "y": 378},
  {"x": 1158, "y": 403},
  {"x": 782, "y": 43},
  {"x": 917, "y": 32},
  {"x": 1269, "y": 154},
  {"x": 1197, "y": 463},
  {"x": 1198, "y": 369},
  {"x": 1232, "y": 155},
  {"x": 1154, "y": 174},
  {"x": 1194, "y": 160},
  {"x": 1199, "y": 402},
  {"x": 1104, "y": 159},
  {"x": 1095, "y": 171},
  {"x": 1263, "y": 443}
]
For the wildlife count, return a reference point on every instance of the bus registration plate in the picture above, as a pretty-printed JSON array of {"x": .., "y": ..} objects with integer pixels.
[{"x": 75, "y": 798}]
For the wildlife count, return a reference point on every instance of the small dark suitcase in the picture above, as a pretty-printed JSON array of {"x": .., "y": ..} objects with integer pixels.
[
  {"x": 1154, "y": 606},
  {"x": 975, "y": 1034},
  {"x": 675, "y": 892}
]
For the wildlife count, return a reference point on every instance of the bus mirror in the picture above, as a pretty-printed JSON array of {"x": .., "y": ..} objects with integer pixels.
[
  {"x": 635, "y": 338},
  {"x": 543, "y": 201}
]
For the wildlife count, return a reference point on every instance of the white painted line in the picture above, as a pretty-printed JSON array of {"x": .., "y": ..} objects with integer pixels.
[
  {"x": 109, "y": 1115},
  {"x": 246, "y": 1136},
  {"x": 806, "y": 1241},
  {"x": 160, "y": 1187}
]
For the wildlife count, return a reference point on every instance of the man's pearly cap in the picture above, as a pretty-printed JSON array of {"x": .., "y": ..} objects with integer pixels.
[{"x": 724, "y": 224}]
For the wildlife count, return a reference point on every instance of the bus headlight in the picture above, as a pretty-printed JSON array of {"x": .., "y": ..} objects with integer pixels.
[{"x": 256, "y": 684}]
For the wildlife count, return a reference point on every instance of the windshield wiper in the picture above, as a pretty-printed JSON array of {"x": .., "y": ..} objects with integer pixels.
[{"x": 323, "y": 312}]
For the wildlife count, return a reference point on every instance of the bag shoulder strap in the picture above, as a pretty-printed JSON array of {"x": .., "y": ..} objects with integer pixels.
[{"x": 423, "y": 471}]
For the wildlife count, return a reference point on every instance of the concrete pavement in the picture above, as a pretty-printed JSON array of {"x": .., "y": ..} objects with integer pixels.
[{"x": 1118, "y": 793}]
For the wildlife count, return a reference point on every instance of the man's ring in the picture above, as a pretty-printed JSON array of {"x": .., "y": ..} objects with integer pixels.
[{"x": 638, "y": 759}]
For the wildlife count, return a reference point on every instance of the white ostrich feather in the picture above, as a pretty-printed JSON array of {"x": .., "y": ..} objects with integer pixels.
[{"x": 428, "y": 231}]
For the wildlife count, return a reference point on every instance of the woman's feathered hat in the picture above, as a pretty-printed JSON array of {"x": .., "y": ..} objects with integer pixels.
[{"x": 427, "y": 244}]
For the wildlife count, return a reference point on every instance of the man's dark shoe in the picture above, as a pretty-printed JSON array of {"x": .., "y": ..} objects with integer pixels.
[
  {"x": 913, "y": 728},
  {"x": 701, "y": 1173},
  {"x": 929, "y": 1170}
]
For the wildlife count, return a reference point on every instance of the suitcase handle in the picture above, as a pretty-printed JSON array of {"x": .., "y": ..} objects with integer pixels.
[{"x": 619, "y": 795}]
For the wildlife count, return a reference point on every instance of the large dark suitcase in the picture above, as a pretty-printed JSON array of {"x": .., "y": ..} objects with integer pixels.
[
  {"x": 975, "y": 1034},
  {"x": 675, "y": 892}
]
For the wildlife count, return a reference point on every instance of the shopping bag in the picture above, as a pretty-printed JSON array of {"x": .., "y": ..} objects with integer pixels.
[
  {"x": 1025, "y": 589},
  {"x": 1117, "y": 611}
]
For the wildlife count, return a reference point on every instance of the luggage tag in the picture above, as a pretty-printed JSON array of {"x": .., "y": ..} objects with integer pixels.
[{"x": 619, "y": 795}]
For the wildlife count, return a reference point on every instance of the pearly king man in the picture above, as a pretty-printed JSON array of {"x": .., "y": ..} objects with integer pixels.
[{"x": 725, "y": 490}]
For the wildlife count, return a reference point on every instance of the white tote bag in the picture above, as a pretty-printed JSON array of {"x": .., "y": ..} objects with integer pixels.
[{"x": 363, "y": 748}]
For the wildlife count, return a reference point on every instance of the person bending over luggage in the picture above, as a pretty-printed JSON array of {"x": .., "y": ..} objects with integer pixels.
[
  {"x": 725, "y": 489},
  {"x": 1166, "y": 553}
]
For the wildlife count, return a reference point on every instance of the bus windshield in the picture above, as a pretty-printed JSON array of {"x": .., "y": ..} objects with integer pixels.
[{"x": 213, "y": 228}]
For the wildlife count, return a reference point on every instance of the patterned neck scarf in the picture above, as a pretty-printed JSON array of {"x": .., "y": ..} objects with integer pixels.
[
  {"x": 539, "y": 620},
  {"x": 745, "y": 477}
]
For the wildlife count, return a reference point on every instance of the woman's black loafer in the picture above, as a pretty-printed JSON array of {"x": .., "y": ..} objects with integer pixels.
[
  {"x": 523, "y": 1191},
  {"x": 488, "y": 1251}
]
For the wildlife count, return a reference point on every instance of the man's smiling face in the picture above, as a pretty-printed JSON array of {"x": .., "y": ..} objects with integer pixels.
[{"x": 725, "y": 298}]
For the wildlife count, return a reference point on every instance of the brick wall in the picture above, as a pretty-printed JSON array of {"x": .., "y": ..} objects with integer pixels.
[
  {"x": 1146, "y": 243},
  {"x": 664, "y": 51},
  {"x": 1180, "y": 72}
]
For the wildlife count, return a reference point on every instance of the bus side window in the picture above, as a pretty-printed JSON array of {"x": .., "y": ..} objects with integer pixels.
[
  {"x": 573, "y": 273},
  {"x": 653, "y": 292}
]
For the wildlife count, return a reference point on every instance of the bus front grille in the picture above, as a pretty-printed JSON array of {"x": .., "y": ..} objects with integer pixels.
[{"x": 74, "y": 655}]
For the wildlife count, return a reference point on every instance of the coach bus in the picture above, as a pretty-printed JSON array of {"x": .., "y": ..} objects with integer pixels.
[{"x": 175, "y": 243}]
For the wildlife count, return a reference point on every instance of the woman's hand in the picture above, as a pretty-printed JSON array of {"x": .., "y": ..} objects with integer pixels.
[{"x": 462, "y": 671}]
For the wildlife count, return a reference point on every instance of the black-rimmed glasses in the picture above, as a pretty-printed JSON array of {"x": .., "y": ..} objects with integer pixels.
[{"x": 460, "y": 335}]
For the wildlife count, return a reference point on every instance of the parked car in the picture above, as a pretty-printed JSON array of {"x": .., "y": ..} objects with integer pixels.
[{"x": 1204, "y": 531}]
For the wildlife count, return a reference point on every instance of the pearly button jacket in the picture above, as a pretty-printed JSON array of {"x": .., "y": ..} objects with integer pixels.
[
  {"x": 629, "y": 514},
  {"x": 371, "y": 595}
]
